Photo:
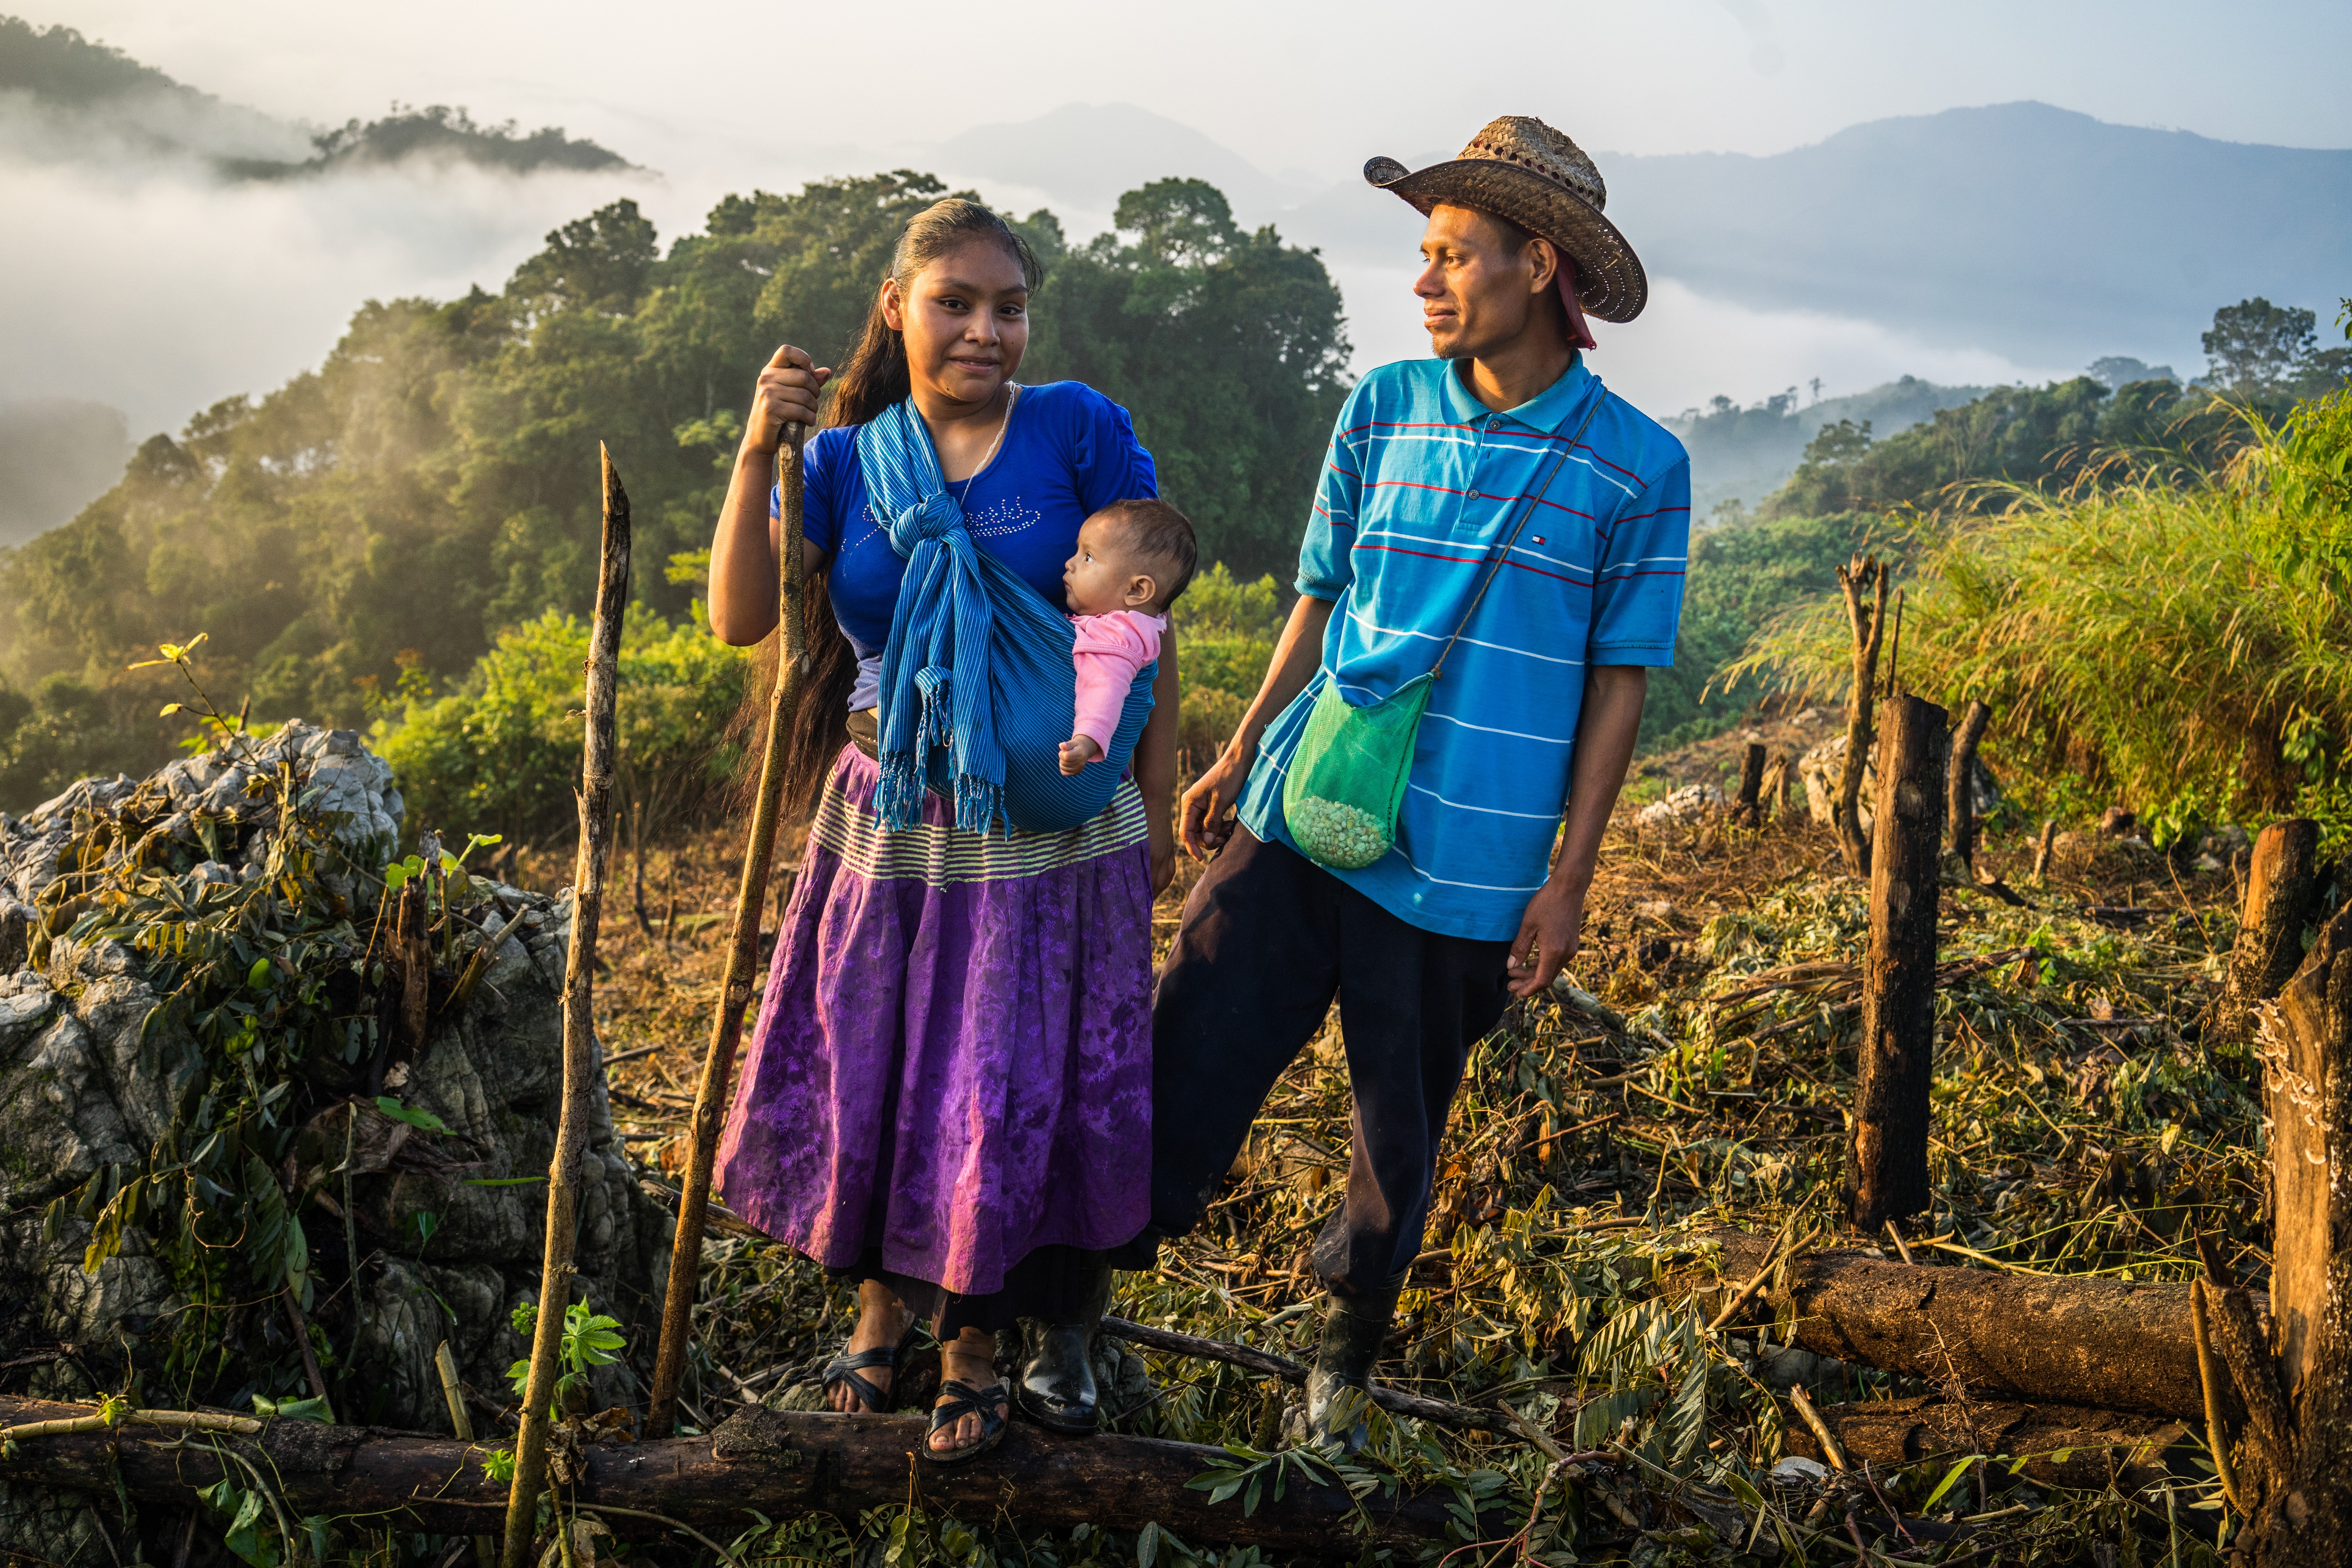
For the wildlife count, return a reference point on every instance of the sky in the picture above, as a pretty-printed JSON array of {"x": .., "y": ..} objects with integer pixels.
[
  {"x": 1317, "y": 85},
  {"x": 160, "y": 297}
]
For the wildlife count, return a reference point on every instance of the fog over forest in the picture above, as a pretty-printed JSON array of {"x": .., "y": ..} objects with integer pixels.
[{"x": 197, "y": 249}]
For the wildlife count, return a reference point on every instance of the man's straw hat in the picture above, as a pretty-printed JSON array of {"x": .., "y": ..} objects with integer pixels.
[{"x": 1521, "y": 169}]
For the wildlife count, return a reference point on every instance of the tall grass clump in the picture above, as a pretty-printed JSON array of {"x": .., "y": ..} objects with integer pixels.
[{"x": 2184, "y": 644}]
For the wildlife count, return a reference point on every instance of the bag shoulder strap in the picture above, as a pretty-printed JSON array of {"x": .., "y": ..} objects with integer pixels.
[{"x": 1534, "y": 497}]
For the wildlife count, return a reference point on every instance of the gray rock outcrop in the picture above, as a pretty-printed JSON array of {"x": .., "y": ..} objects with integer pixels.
[{"x": 93, "y": 1076}]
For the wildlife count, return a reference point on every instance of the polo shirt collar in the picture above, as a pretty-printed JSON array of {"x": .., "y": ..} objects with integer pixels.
[{"x": 1547, "y": 410}]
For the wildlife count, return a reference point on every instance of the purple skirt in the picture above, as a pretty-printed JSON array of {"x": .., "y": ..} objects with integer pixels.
[{"x": 953, "y": 1059}]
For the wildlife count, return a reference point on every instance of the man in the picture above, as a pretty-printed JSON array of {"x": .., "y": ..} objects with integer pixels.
[{"x": 1439, "y": 470}]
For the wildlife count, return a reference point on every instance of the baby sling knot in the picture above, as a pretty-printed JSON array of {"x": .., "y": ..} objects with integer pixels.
[{"x": 935, "y": 517}]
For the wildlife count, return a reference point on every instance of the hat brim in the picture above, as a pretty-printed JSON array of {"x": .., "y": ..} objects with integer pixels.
[{"x": 1610, "y": 281}]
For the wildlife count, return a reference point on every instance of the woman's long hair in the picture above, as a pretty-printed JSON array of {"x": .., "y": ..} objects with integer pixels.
[{"x": 874, "y": 377}]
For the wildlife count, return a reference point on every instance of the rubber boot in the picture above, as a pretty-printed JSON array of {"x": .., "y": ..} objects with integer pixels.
[
  {"x": 1058, "y": 1387},
  {"x": 1353, "y": 1328}
]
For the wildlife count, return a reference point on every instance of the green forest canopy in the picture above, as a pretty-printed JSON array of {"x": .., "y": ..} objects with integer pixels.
[
  {"x": 402, "y": 535},
  {"x": 434, "y": 480}
]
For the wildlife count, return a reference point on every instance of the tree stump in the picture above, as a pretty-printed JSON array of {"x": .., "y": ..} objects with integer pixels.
[
  {"x": 1886, "y": 1165},
  {"x": 1750, "y": 811},
  {"x": 1961, "y": 785},
  {"x": 2282, "y": 896},
  {"x": 2294, "y": 1465}
]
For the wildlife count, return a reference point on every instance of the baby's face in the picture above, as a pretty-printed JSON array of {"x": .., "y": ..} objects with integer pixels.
[{"x": 1101, "y": 577}]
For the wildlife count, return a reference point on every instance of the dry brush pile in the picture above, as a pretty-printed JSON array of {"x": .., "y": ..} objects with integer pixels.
[{"x": 1696, "y": 1077}]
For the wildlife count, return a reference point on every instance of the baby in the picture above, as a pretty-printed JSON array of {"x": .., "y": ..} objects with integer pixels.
[{"x": 1134, "y": 557}]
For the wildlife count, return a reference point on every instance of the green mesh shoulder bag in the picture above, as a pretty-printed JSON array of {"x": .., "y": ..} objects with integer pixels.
[{"x": 1347, "y": 779}]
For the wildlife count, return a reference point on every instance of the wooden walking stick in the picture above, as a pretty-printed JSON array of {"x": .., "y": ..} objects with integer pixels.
[
  {"x": 579, "y": 1041},
  {"x": 742, "y": 956}
]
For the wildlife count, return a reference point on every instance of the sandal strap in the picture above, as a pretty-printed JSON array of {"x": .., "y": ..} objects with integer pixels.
[
  {"x": 961, "y": 1399},
  {"x": 873, "y": 1398},
  {"x": 844, "y": 1369}
]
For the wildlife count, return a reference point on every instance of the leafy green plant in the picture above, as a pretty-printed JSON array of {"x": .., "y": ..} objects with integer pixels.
[
  {"x": 505, "y": 746},
  {"x": 590, "y": 1340}
]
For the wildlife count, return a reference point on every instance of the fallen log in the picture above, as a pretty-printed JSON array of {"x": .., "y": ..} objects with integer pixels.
[
  {"x": 2064, "y": 1445},
  {"x": 785, "y": 1463},
  {"x": 2108, "y": 1343}
]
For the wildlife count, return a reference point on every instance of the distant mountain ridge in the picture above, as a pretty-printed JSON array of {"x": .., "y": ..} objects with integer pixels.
[
  {"x": 1745, "y": 454},
  {"x": 67, "y": 98},
  {"x": 2045, "y": 234}
]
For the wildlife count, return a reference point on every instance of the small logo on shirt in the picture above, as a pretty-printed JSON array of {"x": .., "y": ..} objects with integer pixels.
[{"x": 1538, "y": 538}]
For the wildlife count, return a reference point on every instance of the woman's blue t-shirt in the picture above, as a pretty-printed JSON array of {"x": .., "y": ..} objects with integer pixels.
[{"x": 1068, "y": 451}]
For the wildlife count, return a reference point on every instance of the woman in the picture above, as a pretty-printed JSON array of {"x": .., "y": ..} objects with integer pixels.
[{"x": 948, "y": 1095}]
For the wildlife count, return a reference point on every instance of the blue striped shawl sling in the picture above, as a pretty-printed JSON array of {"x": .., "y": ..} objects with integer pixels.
[{"x": 978, "y": 688}]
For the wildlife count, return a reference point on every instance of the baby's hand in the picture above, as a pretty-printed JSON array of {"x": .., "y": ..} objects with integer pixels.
[{"x": 1077, "y": 753}]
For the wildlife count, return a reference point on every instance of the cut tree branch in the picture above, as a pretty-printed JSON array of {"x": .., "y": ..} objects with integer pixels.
[
  {"x": 742, "y": 952},
  {"x": 564, "y": 1169}
]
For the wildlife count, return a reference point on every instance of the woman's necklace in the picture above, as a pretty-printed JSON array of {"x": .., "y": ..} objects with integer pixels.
[{"x": 1011, "y": 395}]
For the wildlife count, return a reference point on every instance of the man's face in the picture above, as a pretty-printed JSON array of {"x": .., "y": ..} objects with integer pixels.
[{"x": 1478, "y": 285}]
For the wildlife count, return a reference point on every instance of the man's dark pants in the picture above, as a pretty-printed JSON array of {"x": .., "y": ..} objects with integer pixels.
[{"x": 1268, "y": 938}]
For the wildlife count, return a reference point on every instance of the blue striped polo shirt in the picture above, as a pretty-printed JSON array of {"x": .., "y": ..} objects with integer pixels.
[{"x": 1420, "y": 488}]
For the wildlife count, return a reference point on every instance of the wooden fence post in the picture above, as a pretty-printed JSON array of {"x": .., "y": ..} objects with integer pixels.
[
  {"x": 2283, "y": 895},
  {"x": 2294, "y": 1474},
  {"x": 1864, "y": 574},
  {"x": 1960, "y": 787},
  {"x": 742, "y": 954},
  {"x": 579, "y": 1041},
  {"x": 1886, "y": 1174}
]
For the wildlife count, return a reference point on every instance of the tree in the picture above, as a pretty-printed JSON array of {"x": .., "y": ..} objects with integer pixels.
[
  {"x": 1228, "y": 348},
  {"x": 433, "y": 483},
  {"x": 600, "y": 261},
  {"x": 2255, "y": 348}
]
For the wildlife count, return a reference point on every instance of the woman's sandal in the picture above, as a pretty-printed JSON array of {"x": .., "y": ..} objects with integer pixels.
[
  {"x": 849, "y": 1365},
  {"x": 961, "y": 1399}
]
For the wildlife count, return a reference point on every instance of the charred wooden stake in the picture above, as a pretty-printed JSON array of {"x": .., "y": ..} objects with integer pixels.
[
  {"x": 1961, "y": 785},
  {"x": 579, "y": 1043},
  {"x": 2282, "y": 897},
  {"x": 742, "y": 955},
  {"x": 1864, "y": 574},
  {"x": 2049, "y": 842},
  {"x": 2295, "y": 1472},
  {"x": 1750, "y": 812},
  {"x": 1886, "y": 1163}
]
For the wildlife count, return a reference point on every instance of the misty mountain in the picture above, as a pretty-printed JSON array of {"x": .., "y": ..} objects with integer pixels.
[
  {"x": 1088, "y": 155},
  {"x": 1745, "y": 454},
  {"x": 2036, "y": 231},
  {"x": 65, "y": 99},
  {"x": 2044, "y": 234}
]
